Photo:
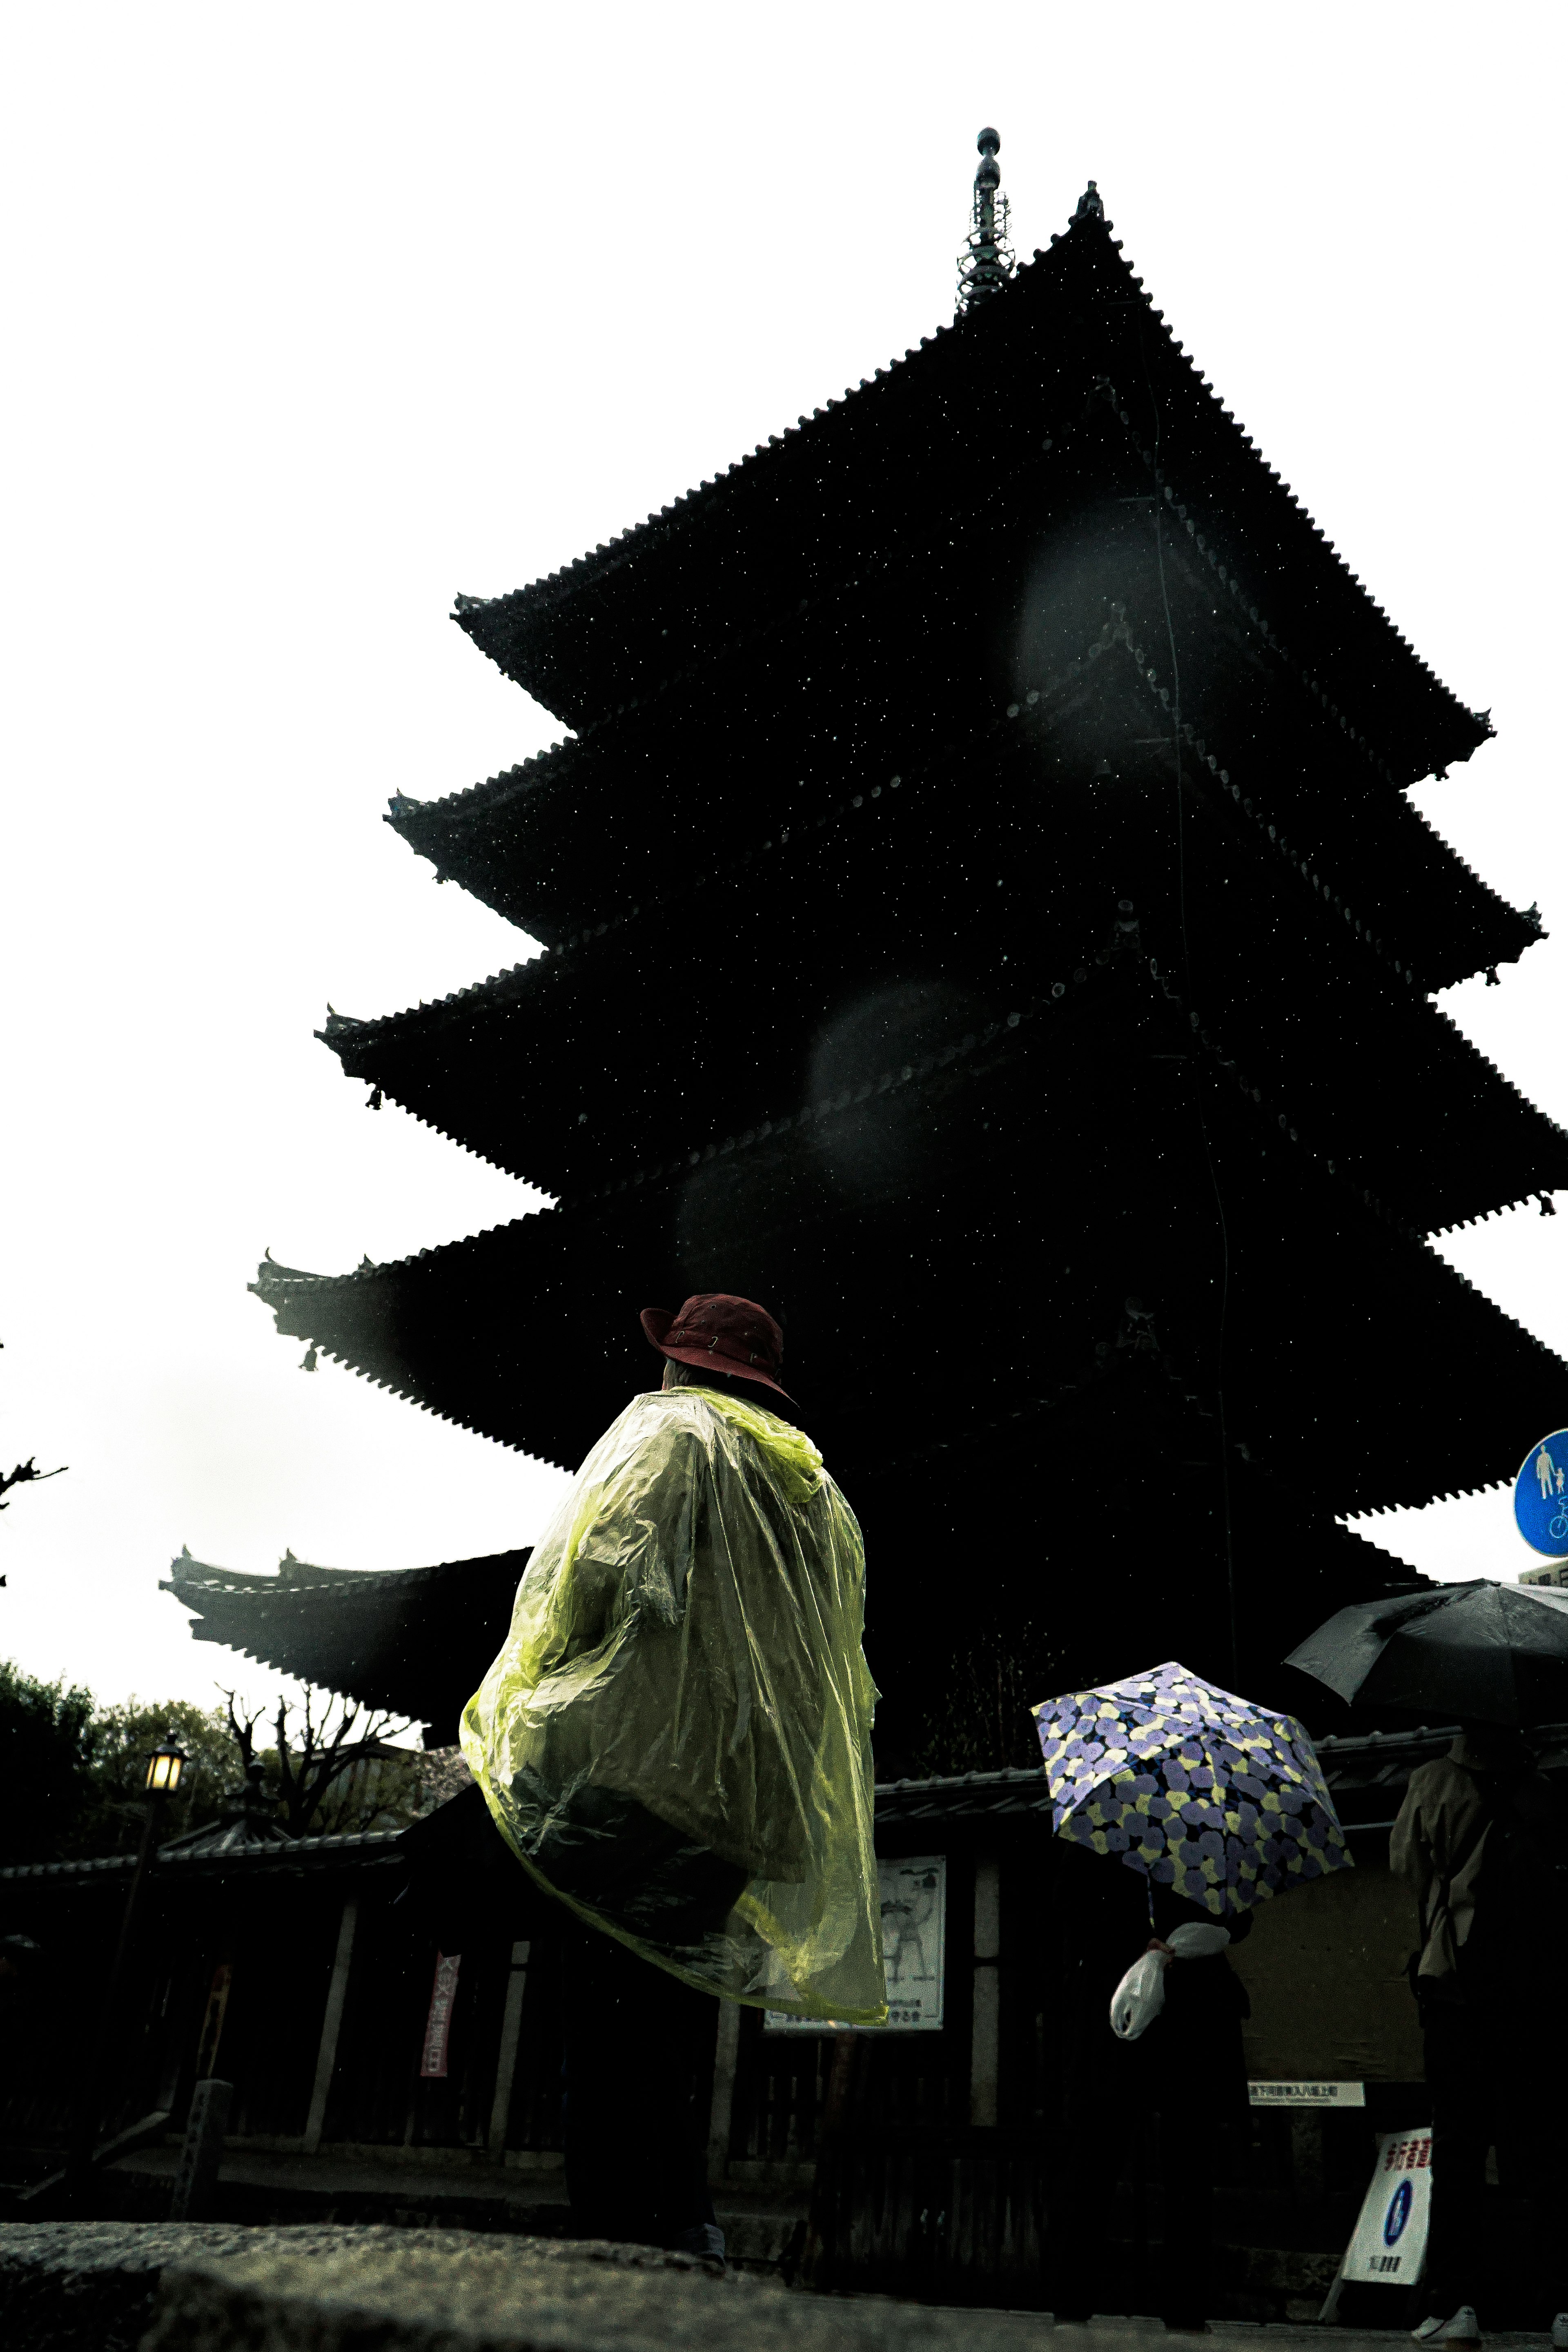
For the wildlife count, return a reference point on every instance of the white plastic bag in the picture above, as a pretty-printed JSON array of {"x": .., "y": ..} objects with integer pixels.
[
  {"x": 1139, "y": 1997},
  {"x": 1198, "y": 1939}
]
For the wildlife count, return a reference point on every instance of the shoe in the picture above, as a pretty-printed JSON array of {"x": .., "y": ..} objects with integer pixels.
[
  {"x": 1460, "y": 2334},
  {"x": 705, "y": 2238},
  {"x": 1560, "y": 2332}
]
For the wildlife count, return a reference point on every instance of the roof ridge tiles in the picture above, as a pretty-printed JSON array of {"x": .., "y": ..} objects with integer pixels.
[
  {"x": 269, "y": 1276},
  {"x": 1423, "y": 1234},
  {"x": 1231, "y": 583},
  {"x": 1113, "y": 634},
  {"x": 491, "y": 786},
  {"x": 1465, "y": 866},
  {"x": 1248, "y": 443},
  {"x": 536, "y": 592},
  {"x": 339, "y": 1025},
  {"x": 535, "y": 588}
]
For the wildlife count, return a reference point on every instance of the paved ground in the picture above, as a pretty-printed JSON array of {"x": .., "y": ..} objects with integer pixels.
[
  {"x": 364, "y": 2186},
  {"x": 1236, "y": 2335},
  {"x": 213, "y": 2287}
]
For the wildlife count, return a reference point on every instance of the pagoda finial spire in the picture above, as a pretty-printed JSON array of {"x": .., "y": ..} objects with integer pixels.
[
  {"x": 1090, "y": 206},
  {"x": 985, "y": 258}
]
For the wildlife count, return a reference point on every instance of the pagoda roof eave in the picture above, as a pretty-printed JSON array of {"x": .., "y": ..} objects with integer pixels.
[
  {"x": 293, "y": 1577},
  {"x": 504, "y": 626},
  {"x": 514, "y": 824},
  {"x": 375, "y": 1635},
  {"x": 305, "y": 1312},
  {"x": 1418, "y": 1304},
  {"x": 1524, "y": 1151}
]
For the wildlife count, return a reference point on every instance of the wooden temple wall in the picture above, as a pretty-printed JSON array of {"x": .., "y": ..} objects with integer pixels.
[{"x": 917, "y": 2162}]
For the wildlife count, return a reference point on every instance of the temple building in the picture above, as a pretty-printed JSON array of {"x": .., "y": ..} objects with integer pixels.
[{"x": 984, "y": 918}]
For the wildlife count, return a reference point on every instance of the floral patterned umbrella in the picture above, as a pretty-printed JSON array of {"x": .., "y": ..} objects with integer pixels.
[{"x": 1202, "y": 1791}]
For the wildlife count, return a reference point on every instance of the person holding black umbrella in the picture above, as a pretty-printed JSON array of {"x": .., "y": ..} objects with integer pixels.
[{"x": 1482, "y": 1842}]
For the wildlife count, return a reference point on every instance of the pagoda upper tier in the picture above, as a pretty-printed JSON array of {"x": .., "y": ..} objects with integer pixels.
[
  {"x": 1066, "y": 641},
  {"x": 846, "y": 944},
  {"x": 726, "y": 759},
  {"x": 1068, "y": 385},
  {"x": 1040, "y": 1170}
]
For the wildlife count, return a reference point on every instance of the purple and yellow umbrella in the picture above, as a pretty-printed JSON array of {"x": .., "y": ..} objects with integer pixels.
[{"x": 1202, "y": 1791}]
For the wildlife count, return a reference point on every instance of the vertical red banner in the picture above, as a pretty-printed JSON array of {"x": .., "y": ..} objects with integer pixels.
[{"x": 438, "y": 2025}]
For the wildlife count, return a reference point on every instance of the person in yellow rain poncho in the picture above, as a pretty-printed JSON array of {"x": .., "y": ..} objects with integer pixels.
[{"x": 674, "y": 1740}]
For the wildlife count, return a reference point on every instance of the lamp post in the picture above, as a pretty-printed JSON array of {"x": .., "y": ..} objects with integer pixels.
[{"x": 165, "y": 1767}]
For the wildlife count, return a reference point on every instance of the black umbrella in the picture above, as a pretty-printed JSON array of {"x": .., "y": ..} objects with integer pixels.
[{"x": 1486, "y": 1652}]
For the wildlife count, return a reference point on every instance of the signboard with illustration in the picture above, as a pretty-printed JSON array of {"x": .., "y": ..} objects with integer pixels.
[{"x": 914, "y": 1932}]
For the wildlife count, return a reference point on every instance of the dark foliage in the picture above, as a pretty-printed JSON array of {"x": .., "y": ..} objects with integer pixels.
[{"x": 47, "y": 1753}]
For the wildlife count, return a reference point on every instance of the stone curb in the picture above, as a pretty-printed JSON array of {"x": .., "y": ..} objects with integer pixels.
[
  {"x": 483, "y": 2294},
  {"x": 215, "y": 2287}
]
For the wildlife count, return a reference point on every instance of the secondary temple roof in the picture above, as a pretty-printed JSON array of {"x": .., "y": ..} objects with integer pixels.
[{"x": 402, "y": 1640}]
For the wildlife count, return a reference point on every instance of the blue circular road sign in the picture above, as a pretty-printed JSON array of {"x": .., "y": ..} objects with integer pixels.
[
  {"x": 1399, "y": 2213},
  {"x": 1541, "y": 1496}
]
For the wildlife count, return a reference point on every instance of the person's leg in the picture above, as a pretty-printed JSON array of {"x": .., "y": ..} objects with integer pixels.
[
  {"x": 1460, "y": 2098},
  {"x": 677, "y": 2028},
  {"x": 1532, "y": 2165},
  {"x": 601, "y": 2102},
  {"x": 634, "y": 2049},
  {"x": 1190, "y": 2148},
  {"x": 1102, "y": 2109}
]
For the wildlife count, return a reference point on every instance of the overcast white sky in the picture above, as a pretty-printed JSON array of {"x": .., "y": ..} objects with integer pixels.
[{"x": 318, "y": 313}]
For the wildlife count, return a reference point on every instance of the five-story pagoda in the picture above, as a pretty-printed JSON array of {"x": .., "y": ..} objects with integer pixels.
[{"x": 984, "y": 918}]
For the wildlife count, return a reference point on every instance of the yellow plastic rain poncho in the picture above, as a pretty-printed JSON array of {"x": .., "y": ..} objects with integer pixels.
[{"x": 676, "y": 1738}]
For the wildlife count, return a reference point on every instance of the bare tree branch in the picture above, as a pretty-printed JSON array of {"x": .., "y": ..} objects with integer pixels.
[
  {"x": 243, "y": 1734},
  {"x": 324, "y": 1752},
  {"x": 26, "y": 1474}
]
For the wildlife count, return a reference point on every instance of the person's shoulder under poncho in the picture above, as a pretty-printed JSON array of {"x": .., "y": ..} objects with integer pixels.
[{"x": 676, "y": 1736}]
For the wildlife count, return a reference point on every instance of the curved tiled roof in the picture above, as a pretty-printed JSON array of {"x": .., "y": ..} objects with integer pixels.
[
  {"x": 403, "y": 1640},
  {"x": 530, "y": 1068},
  {"x": 1338, "y": 1286},
  {"x": 565, "y": 636},
  {"x": 572, "y": 839},
  {"x": 286, "y": 1851}
]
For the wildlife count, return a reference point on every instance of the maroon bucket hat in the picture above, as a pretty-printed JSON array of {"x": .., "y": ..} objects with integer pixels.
[{"x": 718, "y": 1333}]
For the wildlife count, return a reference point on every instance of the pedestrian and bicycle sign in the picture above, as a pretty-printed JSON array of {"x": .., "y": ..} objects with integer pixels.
[{"x": 1541, "y": 1496}]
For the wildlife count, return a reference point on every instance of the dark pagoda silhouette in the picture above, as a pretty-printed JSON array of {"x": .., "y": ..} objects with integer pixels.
[{"x": 984, "y": 920}]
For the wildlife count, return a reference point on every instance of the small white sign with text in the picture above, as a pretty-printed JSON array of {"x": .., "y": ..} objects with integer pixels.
[{"x": 1307, "y": 2095}]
